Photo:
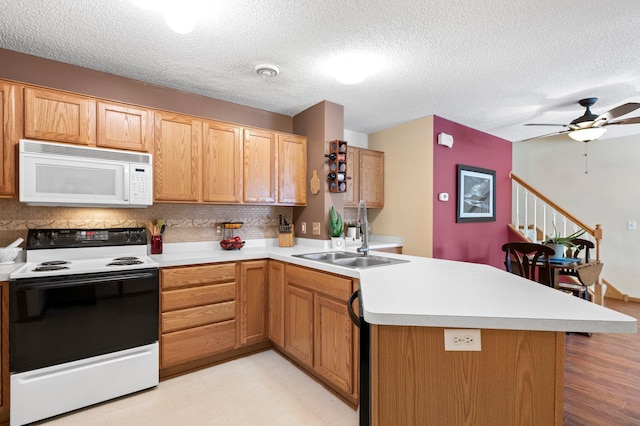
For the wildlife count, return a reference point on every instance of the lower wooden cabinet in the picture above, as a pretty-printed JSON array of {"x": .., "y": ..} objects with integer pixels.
[
  {"x": 253, "y": 301},
  {"x": 333, "y": 354},
  {"x": 276, "y": 303},
  {"x": 198, "y": 312},
  {"x": 318, "y": 330},
  {"x": 298, "y": 320},
  {"x": 214, "y": 310}
]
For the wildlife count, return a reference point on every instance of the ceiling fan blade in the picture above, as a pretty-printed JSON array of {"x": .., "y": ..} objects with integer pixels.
[
  {"x": 547, "y": 135},
  {"x": 632, "y": 120},
  {"x": 546, "y": 124},
  {"x": 619, "y": 111}
]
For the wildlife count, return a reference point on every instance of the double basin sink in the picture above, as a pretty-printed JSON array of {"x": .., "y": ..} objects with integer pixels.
[{"x": 350, "y": 260}]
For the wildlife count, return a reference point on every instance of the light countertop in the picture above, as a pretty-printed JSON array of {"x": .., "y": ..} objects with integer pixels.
[
  {"x": 424, "y": 291},
  {"x": 437, "y": 293}
]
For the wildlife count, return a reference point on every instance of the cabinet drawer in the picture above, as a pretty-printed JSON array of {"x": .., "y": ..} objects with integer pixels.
[
  {"x": 197, "y": 275},
  {"x": 196, "y": 296},
  {"x": 196, "y": 343},
  {"x": 321, "y": 282},
  {"x": 200, "y": 315}
]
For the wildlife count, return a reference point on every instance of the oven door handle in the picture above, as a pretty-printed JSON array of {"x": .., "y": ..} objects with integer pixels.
[
  {"x": 352, "y": 314},
  {"x": 70, "y": 282}
]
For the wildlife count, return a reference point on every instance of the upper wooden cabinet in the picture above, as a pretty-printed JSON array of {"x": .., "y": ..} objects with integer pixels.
[
  {"x": 352, "y": 196},
  {"x": 10, "y": 131},
  {"x": 58, "y": 116},
  {"x": 260, "y": 170},
  {"x": 222, "y": 163},
  {"x": 292, "y": 169},
  {"x": 124, "y": 127},
  {"x": 195, "y": 159},
  {"x": 366, "y": 168},
  {"x": 177, "y": 141}
]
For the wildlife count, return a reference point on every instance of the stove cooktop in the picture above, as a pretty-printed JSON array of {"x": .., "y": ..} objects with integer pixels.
[{"x": 55, "y": 252}]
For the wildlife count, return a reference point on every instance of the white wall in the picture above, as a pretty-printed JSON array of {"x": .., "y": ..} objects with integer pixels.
[
  {"x": 360, "y": 140},
  {"x": 609, "y": 194}
]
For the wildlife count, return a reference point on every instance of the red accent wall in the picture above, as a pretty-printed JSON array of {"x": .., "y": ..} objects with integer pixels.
[{"x": 478, "y": 242}]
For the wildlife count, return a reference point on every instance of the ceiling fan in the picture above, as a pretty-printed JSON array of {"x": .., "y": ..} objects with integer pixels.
[{"x": 589, "y": 126}]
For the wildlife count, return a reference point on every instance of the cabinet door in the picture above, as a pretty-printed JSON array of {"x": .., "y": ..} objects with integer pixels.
[
  {"x": 352, "y": 196},
  {"x": 177, "y": 141},
  {"x": 276, "y": 303},
  {"x": 221, "y": 163},
  {"x": 57, "y": 116},
  {"x": 298, "y": 330},
  {"x": 292, "y": 169},
  {"x": 11, "y": 115},
  {"x": 260, "y": 169},
  {"x": 372, "y": 178},
  {"x": 333, "y": 342},
  {"x": 253, "y": 299},
  {"x": 124, "y": 127}
]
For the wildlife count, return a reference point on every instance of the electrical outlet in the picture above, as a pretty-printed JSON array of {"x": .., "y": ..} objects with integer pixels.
[
  {"x": 303, "y": 227},
  {"x": 218, "y": 229},
  {"x": 631, "y": 225},
  {"x": 461, "y": 339},
  {"x": 316, "y": 228}
]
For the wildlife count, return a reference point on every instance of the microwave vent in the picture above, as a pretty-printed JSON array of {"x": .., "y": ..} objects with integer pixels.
[{"x": 81, "y": 152}]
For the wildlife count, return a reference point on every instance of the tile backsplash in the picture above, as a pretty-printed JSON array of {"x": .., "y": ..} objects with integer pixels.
[{"x": 185, "y": 222}]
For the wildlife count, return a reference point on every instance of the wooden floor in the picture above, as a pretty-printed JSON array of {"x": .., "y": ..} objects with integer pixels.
[{"x": 602, "y": 376}]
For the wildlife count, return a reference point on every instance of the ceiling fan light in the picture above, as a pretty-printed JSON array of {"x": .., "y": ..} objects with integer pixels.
[{"x": 587, "y": 135}]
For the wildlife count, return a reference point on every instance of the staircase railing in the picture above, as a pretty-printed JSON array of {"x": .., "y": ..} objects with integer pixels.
[{"x": 535, "y": 216}]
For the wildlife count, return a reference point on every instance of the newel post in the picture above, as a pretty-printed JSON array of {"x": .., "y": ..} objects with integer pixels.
[{"x": 597, "y": 234}]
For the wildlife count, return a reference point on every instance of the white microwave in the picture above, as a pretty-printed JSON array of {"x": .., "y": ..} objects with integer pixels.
[{"x": 54, "y": 174}]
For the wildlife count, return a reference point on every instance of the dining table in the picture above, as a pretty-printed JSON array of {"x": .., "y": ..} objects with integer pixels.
[{"x": 586, "y": 272}]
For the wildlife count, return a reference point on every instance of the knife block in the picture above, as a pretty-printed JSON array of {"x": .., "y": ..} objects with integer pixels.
[{"x": 286, "y": 239}]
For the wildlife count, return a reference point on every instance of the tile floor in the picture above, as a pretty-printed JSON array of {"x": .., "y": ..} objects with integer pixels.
[{"x": 261, "y": 389}]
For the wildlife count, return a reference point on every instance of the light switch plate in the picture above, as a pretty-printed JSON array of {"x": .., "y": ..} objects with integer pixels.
[{"x": 303, "y": 227}]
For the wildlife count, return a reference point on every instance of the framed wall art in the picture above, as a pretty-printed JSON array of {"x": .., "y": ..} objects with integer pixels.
[{"x": 476, "y": 194}]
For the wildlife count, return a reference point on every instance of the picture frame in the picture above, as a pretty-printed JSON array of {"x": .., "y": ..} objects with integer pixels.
[{"x": 476, "y": 194}]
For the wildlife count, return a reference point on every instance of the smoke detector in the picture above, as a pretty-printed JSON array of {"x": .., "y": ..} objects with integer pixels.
[{"x": 268, "y": 71}]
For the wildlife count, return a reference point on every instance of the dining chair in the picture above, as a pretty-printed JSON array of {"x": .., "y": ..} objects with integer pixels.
[
  {"x": 529, "y": 260},
  {"x": 580, "y": 245},
  {"x": 586, "y": 276}
]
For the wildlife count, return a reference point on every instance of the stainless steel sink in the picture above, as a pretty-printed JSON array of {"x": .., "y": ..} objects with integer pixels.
[
  {"x": 350, "y": 260},
  {"x": 328, "y": 256}
]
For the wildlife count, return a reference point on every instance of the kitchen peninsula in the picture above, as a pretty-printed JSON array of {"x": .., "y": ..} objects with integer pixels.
[{"x": 516, "y": 378}]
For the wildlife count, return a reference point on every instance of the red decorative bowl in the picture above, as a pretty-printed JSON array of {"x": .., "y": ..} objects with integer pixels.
[{"x": 231, "y": 245}]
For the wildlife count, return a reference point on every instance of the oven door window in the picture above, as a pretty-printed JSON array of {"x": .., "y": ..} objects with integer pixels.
[{"x": 60, "y": 319}]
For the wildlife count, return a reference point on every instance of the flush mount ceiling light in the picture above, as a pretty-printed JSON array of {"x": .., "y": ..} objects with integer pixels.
[
  {"x": 587, "y": 135},
  {"x": 180, "y": 16},
  {"x": 353, "y": 67},
  {"x": 268, "y": 71}
]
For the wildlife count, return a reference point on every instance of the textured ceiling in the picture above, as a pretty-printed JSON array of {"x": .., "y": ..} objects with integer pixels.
[{"x": 493, "y": 65}]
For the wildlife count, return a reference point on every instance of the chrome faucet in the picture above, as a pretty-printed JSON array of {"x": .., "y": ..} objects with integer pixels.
[{"x": 363, "y": 228}]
